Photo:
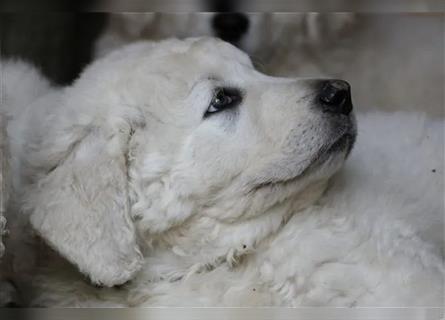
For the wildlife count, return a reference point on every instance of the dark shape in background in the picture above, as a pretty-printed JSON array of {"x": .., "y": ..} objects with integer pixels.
[
  {"x": 228, "y": 25},
  {"x": 58, "y": 36},
  {"x": 59, "y": 43}
]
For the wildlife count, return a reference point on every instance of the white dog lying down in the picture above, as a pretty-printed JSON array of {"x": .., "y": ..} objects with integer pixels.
[{"x": 173, "y": 173}]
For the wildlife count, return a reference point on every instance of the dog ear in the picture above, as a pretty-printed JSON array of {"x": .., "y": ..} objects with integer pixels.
[{"x": 81, "y": 206}]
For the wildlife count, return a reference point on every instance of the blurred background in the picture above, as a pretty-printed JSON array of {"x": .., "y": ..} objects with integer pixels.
[{"x": 394, "y": 61}]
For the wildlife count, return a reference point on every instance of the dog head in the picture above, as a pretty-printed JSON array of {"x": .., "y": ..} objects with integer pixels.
[{"x": 155, "y": 137}]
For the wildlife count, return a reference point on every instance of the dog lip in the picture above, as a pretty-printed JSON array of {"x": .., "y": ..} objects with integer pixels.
[{"x": 344, "y": 141}]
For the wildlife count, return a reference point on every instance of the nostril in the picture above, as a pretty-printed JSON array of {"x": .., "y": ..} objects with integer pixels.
[
  {"x": 335, "y": 97},
  {"x": 334, "y": 92},
  {"x": 340, "y": 85},
  {"x": 230, "y": 26}
]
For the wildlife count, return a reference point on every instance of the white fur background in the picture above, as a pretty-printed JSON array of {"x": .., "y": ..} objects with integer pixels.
[{"x": 381, "y": 222}]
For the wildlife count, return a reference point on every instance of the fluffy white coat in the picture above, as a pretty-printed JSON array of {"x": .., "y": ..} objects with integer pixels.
[{"x": 183, "y": 231}]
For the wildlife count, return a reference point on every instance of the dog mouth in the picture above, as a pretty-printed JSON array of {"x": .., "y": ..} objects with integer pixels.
[
  {"x": 339, "y": 150},
  {"x": 340, "y": 146},
  {"x": 344, "y": 143}
]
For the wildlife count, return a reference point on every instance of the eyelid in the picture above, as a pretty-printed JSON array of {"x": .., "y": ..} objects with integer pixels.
[{"x": 201, "y": 81}]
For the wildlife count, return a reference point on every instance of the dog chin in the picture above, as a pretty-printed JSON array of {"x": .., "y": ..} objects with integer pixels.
[
  {"x": 322, "y": 167},
  {"x": 342, "y": 145},
  {"x": 328, "y": 160},
  {"x": 332, "y": 156}
]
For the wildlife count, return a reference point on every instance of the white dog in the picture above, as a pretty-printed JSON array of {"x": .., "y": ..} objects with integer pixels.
[{"x": 174, "y": 173}]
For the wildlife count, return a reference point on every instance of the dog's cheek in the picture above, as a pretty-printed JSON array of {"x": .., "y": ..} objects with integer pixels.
[
  {"x": 163, "y": 206},
  {"x": 162, "y": 217}
]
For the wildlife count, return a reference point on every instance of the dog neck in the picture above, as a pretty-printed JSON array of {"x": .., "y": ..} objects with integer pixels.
[{"x": 203, "y": 243}]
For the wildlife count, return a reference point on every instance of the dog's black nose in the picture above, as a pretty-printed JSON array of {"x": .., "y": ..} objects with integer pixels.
[
  {"x": 335, "y": 97},
  {"x": 230, "y": 26}
]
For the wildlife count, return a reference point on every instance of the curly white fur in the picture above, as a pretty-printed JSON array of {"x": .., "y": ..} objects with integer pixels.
[{"x": 123, "y": 178}]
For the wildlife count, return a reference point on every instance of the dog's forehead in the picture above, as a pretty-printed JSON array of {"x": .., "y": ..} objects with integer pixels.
[
  {"x": 204, "y": 53},
  {"x": 218, "y": 49},
  {"x": 217, "y": 59}
]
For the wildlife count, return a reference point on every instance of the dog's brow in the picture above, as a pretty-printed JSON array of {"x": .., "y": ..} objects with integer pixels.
[{"x": 204, "y": 78}]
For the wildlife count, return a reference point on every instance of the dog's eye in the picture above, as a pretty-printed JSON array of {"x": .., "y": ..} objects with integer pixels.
[{"x": 223, "y": 99}]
